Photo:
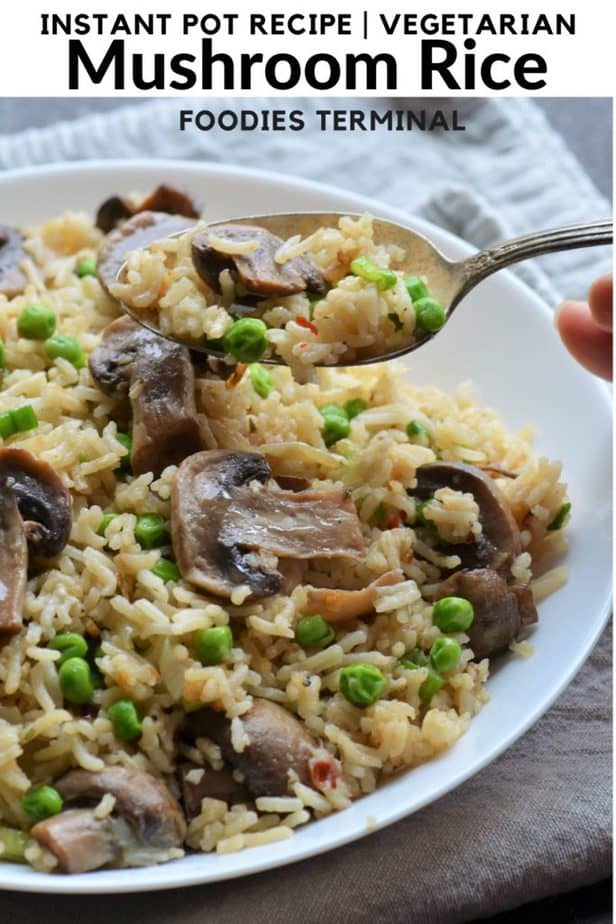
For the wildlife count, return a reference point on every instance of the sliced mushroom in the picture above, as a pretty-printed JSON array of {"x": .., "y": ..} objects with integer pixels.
[
  {"x": 344, "y": 605},
  {"x": 223, "y": 528},
  {"x": 111, "y": 212},
  {"x": 143, "y": 800},
  {"x": 43, "y": 501},
  {"x": 257, "y": 270},
  {"x": 140, "y": 231},
  {"x": 80, "y": 841},
  {"x": 501, "y": 611},
  {"x": 278, "y": 743},
  {"x": 12, "y": 278},
  {"x": 161, "y": 382},
  {"x": 500, "y": 539},
  {"x": 166, "y": 426},
  {"x": 111, "y": 362},
  {"x": 13, "y": 563},
  {"x": 165, "y": 198},
  {"x": 212, "y": 784}
]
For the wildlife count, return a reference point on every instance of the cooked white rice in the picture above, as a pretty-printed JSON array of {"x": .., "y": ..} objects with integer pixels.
[
  {"x": 353, "y": 319},
  {"x": 103, "y": 586}
]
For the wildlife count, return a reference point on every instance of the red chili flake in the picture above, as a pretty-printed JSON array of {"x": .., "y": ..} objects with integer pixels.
[
  {"x": 394, "y": 521},
  {"x": 325, "y": 771},
  {"x": 304, "y": 322}
]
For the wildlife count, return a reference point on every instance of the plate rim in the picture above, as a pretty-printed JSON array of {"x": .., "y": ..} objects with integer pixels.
[{"x": 91, "y": 883}]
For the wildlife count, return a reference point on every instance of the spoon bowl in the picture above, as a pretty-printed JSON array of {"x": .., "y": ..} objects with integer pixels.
[{"x": 449, "y": 280}]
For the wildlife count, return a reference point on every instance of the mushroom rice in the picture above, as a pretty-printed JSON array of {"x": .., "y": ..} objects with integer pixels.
[{"x": 231, "y": 603}]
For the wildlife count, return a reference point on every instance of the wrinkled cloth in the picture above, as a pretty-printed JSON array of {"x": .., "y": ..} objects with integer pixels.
[{"x": 537, "y": 821}]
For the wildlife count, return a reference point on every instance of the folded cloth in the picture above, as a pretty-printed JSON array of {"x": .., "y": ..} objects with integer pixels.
[{"x": 538, "y": 820}]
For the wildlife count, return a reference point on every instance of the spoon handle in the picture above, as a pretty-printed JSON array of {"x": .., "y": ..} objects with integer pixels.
[{"x": 486, "y": 262}]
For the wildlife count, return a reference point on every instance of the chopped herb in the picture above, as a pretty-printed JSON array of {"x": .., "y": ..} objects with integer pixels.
[{"x": 561, "y": 518}]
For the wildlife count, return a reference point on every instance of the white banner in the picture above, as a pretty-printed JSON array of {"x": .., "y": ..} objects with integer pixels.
[{"x": 376, "y": 49}]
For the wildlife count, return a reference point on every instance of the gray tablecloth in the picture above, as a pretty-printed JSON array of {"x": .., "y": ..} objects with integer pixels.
[{"x": 538, "y": 820}]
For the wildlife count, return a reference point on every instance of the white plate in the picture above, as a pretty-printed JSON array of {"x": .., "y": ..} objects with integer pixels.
[{"x": 503, "y": 339}]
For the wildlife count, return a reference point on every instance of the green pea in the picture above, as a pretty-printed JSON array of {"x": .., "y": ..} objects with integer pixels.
[
  {"x": 246, "y": 339},
  {"x": 382, "y": 278},
  {"x": 430, "y": 314},
  {"x": 362, "y": 684},
  {"x": 445, "y": 654},
  {"x": 416, "y": 287},
  {"x": 24, "y": 418},
  {"x": 127, "y": 441},
  {"x": 13, "y": 844},
  {"x": 336, "y": 424},
  {"x": 76, "y": 681},
  {"x": 42, "y": 802},
  {"x": 431, "y": 685},
  {"x": 2, "y": 355},
  {"x": 355, "y": 406},
  {"x": 125, "y": 719},
  {"x": 86, "y": 267},
  {"x": 314, "y": 632},
  {"x": 417, "y": 433},
  {"x": 150, "y": 530},
  {"x": 7, "y": 425},
  {"x": 166, "y": 570},
  {"x": 65, "y": 347},
  {"x": 36, "y": 322},
  {"x": 213, "y": 645},
  {"x": 104, "y": 523},
  {"x": 561, "y": 517},
  {"x": 70, "y": 644},
  {"x": 453, "y": 614},
  {"x": 414, "y": 659},
  {"x": 262, "y": 382}
]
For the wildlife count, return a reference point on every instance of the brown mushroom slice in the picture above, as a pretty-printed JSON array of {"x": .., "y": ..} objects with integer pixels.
[
  {"x": 161, "y": 382},
  {"x": 218, "y": 517},
  {"x": 12, "y": 279},
  {"x": 143, "y": 800},
  {"x": 500, "y": 539},
  {"x": 257, "y": 269},
  {"x": 111, "y": 212},
  {"x": 278, "y": 743},
  {"x": 13, "y": 563},
  {"x": 80, "y": 841},
  {"x": 165, "y": 198},
  {"x": 501, "y": 611},
  {"x": 211, "y": 784},
  {"x": 172, "y": 200},
  {"x": 43, "y": 502},
  {"x": 200, "y": 495},
  {"x": 166, "y": 425},
  {"x": 112, "y": 360},
  {"x": 338, "y": 606},
  {"x": 136, "y": 233}
]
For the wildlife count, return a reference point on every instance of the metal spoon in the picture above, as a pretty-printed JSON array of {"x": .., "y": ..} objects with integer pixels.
[{"x": 449, "y": 281}]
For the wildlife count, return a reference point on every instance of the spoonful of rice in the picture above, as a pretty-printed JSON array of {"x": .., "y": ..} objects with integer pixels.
[{"x": 303, "y": 290}]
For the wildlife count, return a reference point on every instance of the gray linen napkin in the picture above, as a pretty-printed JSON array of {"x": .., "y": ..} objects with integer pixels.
[{"x": 538, "y": 820}]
